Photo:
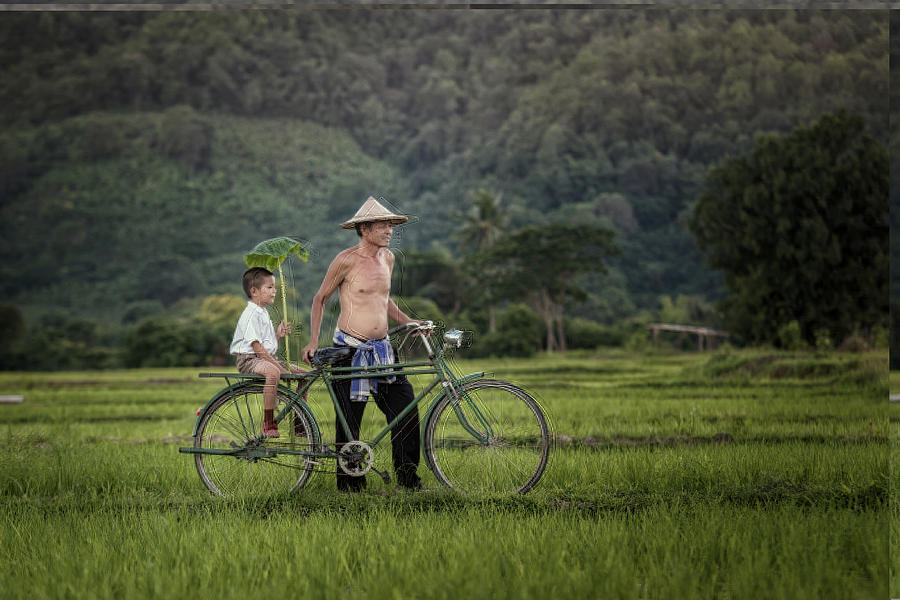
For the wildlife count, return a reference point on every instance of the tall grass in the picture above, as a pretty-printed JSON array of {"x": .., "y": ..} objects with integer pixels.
[
  {"x": 671, "y": 477},
  {"x": 464, "y": 551}
]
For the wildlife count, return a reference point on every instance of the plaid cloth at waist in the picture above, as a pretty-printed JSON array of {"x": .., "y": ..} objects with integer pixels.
[{"x": 372, "y": 352}]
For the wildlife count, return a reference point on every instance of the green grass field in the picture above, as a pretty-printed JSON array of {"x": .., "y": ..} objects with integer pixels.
[{"x": 739, "y": 474}]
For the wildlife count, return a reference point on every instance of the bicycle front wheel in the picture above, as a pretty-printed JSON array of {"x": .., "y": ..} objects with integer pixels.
[
  {"x": 253, "y": 464},
  {"x": 493, "y": 439}
]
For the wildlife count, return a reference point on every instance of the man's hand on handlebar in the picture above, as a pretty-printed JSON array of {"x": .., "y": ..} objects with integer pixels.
[
  {"x": 421, "y": 327},
  {"x": 425, "y": 328}
]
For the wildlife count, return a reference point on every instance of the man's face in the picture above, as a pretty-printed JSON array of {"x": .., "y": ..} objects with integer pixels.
[{"x": 378, "y": 233}]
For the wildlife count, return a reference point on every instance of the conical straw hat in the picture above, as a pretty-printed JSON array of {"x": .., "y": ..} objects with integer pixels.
[{"x": 370, "y": 211}]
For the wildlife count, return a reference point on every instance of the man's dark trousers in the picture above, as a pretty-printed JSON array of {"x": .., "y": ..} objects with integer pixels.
[{"x": 391, "y": 398}]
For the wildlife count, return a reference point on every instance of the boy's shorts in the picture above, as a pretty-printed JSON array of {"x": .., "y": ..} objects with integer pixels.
[{"x": 248, "y": 363}]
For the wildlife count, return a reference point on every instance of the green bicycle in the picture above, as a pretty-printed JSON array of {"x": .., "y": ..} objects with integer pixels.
[{"x": 481, "y": 436}]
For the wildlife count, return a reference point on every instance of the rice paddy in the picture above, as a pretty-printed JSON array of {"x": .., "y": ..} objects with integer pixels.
[{"x": 739, "y": 474}]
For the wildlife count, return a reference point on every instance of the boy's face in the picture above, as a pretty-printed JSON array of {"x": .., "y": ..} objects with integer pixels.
[{"x": 264, "y": 295}]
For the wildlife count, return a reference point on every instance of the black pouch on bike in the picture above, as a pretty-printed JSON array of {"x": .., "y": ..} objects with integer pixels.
[{"x": 329, "y": 356}]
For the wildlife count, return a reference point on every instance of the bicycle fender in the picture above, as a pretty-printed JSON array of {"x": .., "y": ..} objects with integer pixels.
[
  {"x": 235, "y": 386},
  {"x": 445, "y": 391}
]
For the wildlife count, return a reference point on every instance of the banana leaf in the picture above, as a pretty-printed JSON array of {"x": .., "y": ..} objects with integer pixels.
[{"x": 270, "y": 254}]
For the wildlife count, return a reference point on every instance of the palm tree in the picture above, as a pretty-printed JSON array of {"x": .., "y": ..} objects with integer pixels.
[{"x": 484, "y": 224}]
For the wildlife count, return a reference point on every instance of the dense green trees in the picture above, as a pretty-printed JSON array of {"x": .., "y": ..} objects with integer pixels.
[
  {"x": 133, "y": 140},
  {"x": 486, "y": 222},
  {"x": 541, "y": 265},
  {"x": 97, "y": 235},
  {"x": 800, "y": 228}
]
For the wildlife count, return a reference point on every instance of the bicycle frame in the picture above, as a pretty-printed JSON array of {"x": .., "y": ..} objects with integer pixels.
[{"x": 435, "y": 365}]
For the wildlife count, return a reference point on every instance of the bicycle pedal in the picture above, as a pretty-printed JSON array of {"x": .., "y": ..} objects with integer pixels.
[{"x": 385, "y": 476}]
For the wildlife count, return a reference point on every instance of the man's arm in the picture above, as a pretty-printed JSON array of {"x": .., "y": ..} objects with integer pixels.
[
  {"x": 393, "y": 311},
  {"x": 396, "y": 314},
  {"x": 337, "y": 270}
]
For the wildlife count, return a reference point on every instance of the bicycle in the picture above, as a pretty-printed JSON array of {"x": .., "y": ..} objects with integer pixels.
[{"x": 481, "y": 436}]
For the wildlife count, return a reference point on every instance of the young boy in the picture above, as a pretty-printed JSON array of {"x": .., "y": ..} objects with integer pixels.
[{"x": 256, "y": 341}]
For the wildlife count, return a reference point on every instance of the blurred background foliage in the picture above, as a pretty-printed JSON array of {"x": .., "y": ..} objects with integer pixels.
[{"x": 143, "y": 153}]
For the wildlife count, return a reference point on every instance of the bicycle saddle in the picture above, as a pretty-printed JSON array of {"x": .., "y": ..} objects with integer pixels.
[{"x": 329, "y": 356}]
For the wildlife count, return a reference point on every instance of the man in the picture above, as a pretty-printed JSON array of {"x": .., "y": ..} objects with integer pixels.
[{"x": 362, "y": 277}]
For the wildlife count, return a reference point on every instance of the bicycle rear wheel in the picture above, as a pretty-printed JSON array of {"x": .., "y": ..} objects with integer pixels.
[
  {"x": 493, "y": 440},
  {"x": 233, "y": 423}
]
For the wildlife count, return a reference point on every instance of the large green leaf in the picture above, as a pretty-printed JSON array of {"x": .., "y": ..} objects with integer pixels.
[{"x": 271, "y": 253}]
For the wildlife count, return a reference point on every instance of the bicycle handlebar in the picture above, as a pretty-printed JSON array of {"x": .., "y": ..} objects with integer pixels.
[{"x": 410, "y": 325}]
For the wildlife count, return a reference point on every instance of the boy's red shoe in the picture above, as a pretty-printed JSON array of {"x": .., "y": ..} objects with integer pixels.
[{"x": 270, "y": 430}]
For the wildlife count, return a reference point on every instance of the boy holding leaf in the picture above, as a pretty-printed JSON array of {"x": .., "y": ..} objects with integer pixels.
[{"x": 255, "y": 341}]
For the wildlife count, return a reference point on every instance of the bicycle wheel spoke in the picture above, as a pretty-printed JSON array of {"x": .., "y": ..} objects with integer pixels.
[
  {"x": 228, "y": 423},
  {"x": 249, "y": 413},
  {"x": 255, "y": 465},
  {"x": 495, "y": 441}
]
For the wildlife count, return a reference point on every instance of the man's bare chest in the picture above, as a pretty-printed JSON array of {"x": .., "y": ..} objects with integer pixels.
[{"x": 369, "y": 277}]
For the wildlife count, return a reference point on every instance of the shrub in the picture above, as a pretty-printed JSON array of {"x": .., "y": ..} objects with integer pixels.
[
  {"x": 518, "y": 320},
  {"x": 854, "y": 343},
  {"x": 586, "y": 334},
  {"x": 637, "y": 341},
  {"x": 60, "y": 342},
  {"x": 156, "y": 341},
  {"x": 500, "y": 343},
  {"x": 519, "y": 334},
  {"x": 165, "y": 341},
  {"x": 790, "y": 337},
  {"x": 823, "y": 339},
  {"x": 420, "y": 308}
]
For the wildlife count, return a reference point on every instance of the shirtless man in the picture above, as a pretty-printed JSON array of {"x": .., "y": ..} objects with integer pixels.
[{"x": 362, "y": 277}]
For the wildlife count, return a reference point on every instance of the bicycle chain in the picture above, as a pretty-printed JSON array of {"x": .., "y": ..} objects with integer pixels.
[{"x": 318, "y": 468}]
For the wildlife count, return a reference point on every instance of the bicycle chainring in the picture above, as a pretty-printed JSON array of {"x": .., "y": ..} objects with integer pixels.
[{"x": 356, "y": 458}]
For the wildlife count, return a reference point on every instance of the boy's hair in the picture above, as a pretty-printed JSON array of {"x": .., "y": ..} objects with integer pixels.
[{"x": 253, "y": 278}]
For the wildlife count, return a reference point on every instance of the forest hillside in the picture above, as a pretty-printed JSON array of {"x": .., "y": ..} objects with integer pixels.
[{"x": 144, "y": 153}]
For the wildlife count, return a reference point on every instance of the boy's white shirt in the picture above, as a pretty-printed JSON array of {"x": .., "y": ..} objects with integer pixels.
[{"x": 255, "y": 325}]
